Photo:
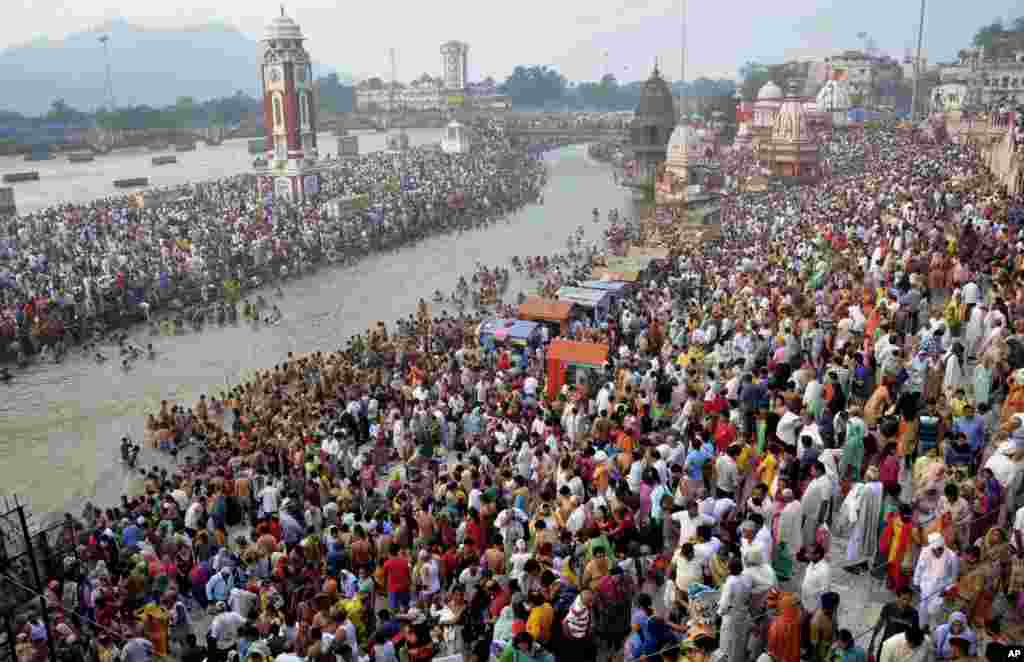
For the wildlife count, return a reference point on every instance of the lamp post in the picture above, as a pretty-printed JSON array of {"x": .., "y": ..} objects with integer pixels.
[{"x": 917, "y": 67}]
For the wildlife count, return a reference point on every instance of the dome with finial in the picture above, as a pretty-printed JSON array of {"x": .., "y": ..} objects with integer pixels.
[
  {"x": 679, "y": 146},
  {"x": 770, "y": 92},
  {"x": 283, "y": 27},
  {"x": 790, "y": 124},
  {"x": 656, "y": 103}
]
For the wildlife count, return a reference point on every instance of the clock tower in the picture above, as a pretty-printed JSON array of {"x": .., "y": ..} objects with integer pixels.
[{"x": 289, "y": 114}]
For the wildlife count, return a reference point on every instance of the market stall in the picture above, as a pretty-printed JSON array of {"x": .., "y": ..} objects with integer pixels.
[
  {"x": 594, "y": 302},
  {"x": 518, "y": 337},
  {"x": 578, "y": 364},
  {"x": 555, "y": 315},
  {"x": 616, "y": 288}
]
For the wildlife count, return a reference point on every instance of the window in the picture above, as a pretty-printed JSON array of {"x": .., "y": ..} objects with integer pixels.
[
  {"x": 280, "y": 148},
  {"x": 304, "y": 108},
  {"x": 278, "y": 115},
  {"x": 1006, "y": 81}
]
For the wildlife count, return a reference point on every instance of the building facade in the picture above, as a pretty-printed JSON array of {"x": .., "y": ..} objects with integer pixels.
[
  {"x": 455, "y": 65},
  {"x": 996, "y": 81},
  {"x": 289, "y": 114},
  {"x": 870, "y": 78}
]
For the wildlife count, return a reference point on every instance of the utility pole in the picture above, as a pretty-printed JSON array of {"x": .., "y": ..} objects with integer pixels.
[
  {"x": 108, "y": 84},
  {"x": 917, "y": 67},
  {"x": 682, "y": 62}
]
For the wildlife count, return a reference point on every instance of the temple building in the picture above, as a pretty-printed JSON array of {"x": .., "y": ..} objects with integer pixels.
[
  {"x": 769, "y": 100},
  {"x": 670, "y": 187},
  {"x": 289, "y": 115},
  {"x": 792, "y": 150},
  {"x": 652, "y": 126},
  {"x": 834, "y": 99}
]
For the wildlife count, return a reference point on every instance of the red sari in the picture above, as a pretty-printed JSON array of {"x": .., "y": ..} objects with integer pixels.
[{"x": 895, "y": 545}]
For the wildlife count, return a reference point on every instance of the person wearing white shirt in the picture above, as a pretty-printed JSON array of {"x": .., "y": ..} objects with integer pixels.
[
  {"x": 1018, "y": 528},
  {"x": 727, "y": 473},
  {"x": 224, "y": 628},
  {"x": 723, "y": 507},
  {"x": 268, "y": 498},
  {"x": 787, "y": 426},
  {"x": 688, "y": 520},
  {"x": 708, "y": 546},
  {"x": 195, "y": 515},
  {"x": 817, "y": 578},
  {"x": 971, "y": 293}
]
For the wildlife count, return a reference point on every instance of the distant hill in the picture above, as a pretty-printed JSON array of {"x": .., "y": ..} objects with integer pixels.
[{"x": 149, "y": 66}]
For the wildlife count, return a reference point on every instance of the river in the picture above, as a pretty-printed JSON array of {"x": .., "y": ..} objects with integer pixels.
[{"x": 60, "y": 425}]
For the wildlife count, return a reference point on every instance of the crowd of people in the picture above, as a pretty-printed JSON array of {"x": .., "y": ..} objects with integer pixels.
[
  {"x": 850, "y": 366},
  {"x": 70, "y": 270}
]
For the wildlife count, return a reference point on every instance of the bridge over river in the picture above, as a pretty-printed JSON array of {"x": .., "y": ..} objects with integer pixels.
[
  {"x": 104, "y": 140},
  {"x": 569, "y": 134}
]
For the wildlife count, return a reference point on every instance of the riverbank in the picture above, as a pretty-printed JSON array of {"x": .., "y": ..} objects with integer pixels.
[
  {"x": 78, "y": 314},
  {"x": 75, "y": 438}
]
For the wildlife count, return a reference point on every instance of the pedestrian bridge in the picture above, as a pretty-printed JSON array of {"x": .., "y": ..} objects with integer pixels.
[
  {"x": 569, "y": 134},
  {"x": 104, "y": 140}
]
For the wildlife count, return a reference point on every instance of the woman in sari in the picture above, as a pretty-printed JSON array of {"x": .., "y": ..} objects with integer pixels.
[
  {"x": 988, "y": 496},
  {"x": 612, "y": 607},
  {"x": 853, "y": 450},
  {"x": 784, "y": 632},
  {"x": 985, "y": 577}
]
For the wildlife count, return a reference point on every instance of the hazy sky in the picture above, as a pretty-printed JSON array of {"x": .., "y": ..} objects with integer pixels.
[{"x": 571, "y": 34}]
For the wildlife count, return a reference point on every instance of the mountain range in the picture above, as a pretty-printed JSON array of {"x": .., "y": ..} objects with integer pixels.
[{"x": 148, "y": 66}]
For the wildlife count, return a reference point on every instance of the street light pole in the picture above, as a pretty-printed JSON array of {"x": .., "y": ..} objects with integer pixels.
[
  {"x": 682, "y": 62},
  {"x": 917, "y": 67}
]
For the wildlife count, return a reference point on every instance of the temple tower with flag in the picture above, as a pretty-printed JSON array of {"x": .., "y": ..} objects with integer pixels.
[{"x": 289, "y": 115}]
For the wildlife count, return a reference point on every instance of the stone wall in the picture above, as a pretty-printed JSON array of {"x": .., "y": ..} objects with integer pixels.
[{"x": 995, "y": 139}]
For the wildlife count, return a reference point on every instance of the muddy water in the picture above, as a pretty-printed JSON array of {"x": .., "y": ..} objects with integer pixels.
[{"x": 60, "y": 426}]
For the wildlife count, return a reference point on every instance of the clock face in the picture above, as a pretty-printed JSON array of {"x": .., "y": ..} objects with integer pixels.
[{"x": 274, "y": 74}]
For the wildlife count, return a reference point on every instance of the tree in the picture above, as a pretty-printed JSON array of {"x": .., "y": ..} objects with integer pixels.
[
  {"x": 335, "y": 97},
  {"x": 756, "y": 75},
  {"x": 61, "y": 112},
  {"x": 534, "y": 86}
]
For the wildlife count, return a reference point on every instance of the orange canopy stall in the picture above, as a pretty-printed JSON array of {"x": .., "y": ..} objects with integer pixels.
[
  {"x": 538, "y": 309},
  {"x": 566, "y": 358}
]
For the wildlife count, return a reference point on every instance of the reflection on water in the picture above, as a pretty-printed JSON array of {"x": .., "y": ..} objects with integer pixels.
[{"x": 60, "y": 425}]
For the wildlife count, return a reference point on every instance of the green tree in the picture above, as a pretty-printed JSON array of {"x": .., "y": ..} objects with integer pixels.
[
  {"x": 535, "y": 86},
  {"x": 333, "y": 96},
  {"x": 756, "y": 75}
]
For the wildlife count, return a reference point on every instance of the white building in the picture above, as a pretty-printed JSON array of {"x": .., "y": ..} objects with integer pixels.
[
  {"x": 455, "y": 139},
  {"x": 834, "y": 100},
  {"x": 455, "y": 64},
  {"x": 863, "y": 73},
  {"x": 949, "y": 97},
  {"x": 423, "y": 94},
  {"x": 998, "y": 80}
]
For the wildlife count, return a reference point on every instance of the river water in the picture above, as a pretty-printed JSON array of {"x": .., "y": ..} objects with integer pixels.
[{"x": 60, "y": 425}]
